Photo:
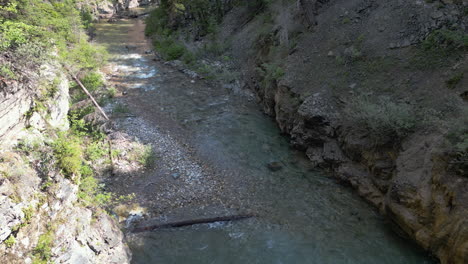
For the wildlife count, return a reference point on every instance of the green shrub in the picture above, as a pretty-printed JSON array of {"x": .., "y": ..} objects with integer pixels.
[
  {"x": 454, "y": 80},
  {"x": 96, "y": 150},
  {"x": 188, "y": 57},
  {"x": 147, "y": 157},
  {"x": 440, "y": 48},
  {"x": 175, "y": 51},
  {"x": 7, "y": 73},
  {"x": 68, "y": 152},
  {"x": 270, "y": 73},
  {"x": 111, "y": 92},
  {"x": 84, "y": 55},
  {"x": 385, "y": 119},
  {"x": 14, "y": 33},
  {"x": 92, "y": 81},
  {"x": 10, "y": 241},
  {"x": 169, "y": 49},
  {"x": 43, "y": 251},
  {"x": 28, "y": 214},
  {"x": 91, "y": 194},
  {"x": 121, "y": 108}
]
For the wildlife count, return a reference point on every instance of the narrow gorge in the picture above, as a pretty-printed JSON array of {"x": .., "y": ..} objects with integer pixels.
[{"x": 263, "y": 131}]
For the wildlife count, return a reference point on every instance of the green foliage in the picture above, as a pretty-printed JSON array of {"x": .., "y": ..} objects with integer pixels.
[
  {"x": 87, "y": 18},
  {"x": 386, "y": 120},
  {"x": 84, "y": 55},
  {"x": 169, "y": 49},
  {"x": 111, "y": 92},
  {"x": 270, "y": 73},
  {"x": 446, "y": 40},
  {"x": 121, "y": 108},
  {"x": 91, "y": 193},
  {"x": 157, "y": 22},
  {"x": 145, "y": 156},
  {"x": 28, "y": 214},
  {"x": 15, "y": 33},
  {"x": 92, "y": 81},
  {"x": 10, "y": 241},
  {"x": 205, "y": 15},
  {"x": 188, "y": 57},
  {"x": 454, "y": 80},
  {"x": 95, "y": 151},
  {"x": 81, "y": 128},
  {"x": 30, "y": 29},
  {"x": 7, "y": 73},
  {"x": 440, "y": 48},
  {"x": 43, "y": 250},
  {"x": 68, "y": 152}
]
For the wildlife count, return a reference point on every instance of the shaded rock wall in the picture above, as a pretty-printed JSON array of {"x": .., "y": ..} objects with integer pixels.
[{"x": 411, "y": 182}]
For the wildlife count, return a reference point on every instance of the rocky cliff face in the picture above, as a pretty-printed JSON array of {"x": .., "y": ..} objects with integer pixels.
[
  {"x": 411, "y": 182},
  {"x": 36, "y": 104},
  {"x": 40, "y": 214}
]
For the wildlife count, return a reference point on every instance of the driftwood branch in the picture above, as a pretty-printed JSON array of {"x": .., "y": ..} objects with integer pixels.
[
  {"x": 192, "y": 222},
  {"x": 87, "y": 93}
]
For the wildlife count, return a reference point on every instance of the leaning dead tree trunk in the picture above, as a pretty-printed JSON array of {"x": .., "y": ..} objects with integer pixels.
[
  {"x": 192, "y": 222},
  {"x": 87, "y": 93}
]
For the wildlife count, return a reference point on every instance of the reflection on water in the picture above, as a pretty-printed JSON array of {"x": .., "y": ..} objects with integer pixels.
[{"x": 304, "y": 216}]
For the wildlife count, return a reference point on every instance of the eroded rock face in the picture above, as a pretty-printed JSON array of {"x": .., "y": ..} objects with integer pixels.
[
  {"x": 29, "y": 211},
  {"x": 411, "y": 185},
  {"x": 412, "y": 182},
  {"x": 32, "y": 207},
  {"x": 19, "y": 104}
]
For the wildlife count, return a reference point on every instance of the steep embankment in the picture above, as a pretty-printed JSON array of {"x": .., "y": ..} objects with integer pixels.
[
  {"x": 43, "y": 218},
  {"x": 375, "y": 91},
  {"x": 51, "y": 204}
]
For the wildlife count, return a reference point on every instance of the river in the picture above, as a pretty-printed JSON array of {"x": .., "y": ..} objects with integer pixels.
[{"x": 303, "y": 215}]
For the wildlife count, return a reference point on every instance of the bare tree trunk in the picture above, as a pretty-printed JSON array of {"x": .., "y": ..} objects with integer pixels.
[
  {"x": 192, "y": 222},
  {"x": 88, "y": 94}
]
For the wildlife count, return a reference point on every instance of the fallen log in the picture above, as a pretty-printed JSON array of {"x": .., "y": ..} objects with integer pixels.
[
  {"x": 87, "y": 93},
  {"x": 192, "y": 222}
]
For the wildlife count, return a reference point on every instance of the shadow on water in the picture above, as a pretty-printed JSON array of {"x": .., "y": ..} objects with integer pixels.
[{"x": 304, "y": 216}]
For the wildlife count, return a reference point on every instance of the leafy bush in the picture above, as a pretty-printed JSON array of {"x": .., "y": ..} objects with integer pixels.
[
  {"x": 91, "y": 193},
  {"x": 270, "y": 73},
  {"x": 43, "y": 252},
  {"x": 84, "y": 55},
  {"x": 146, "y": 157},
  {"x": 68, "y": 152},
  {"x": 454, "y": 80},
  {"x": 14, "y": 33},
  {"x": 385, "y": 119},
  {"x": 121, "y": 108},
  {"x": 92, "y": 81},
  {"x": 10, "y": 241},
  {"x": 7, "y": 73},
  {"x": 169, "y": 49},
  {"x": 440, "y": 48},
  {"x": 96, "y": 150}
]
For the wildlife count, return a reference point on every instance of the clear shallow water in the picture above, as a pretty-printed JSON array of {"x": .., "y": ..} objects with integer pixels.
[{"x": 304, "y": 216}]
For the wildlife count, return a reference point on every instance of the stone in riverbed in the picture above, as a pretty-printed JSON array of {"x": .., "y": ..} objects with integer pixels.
[{"x": 274, "y": 166}]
